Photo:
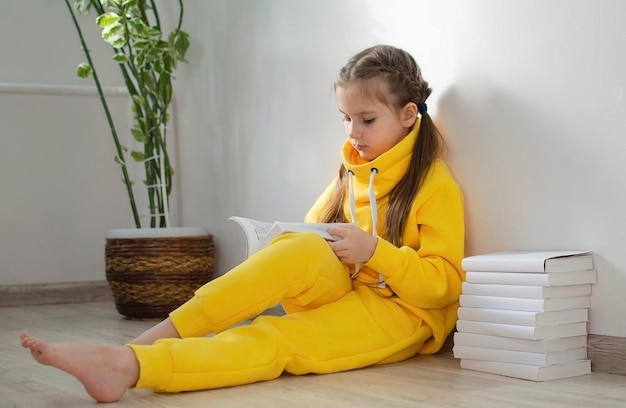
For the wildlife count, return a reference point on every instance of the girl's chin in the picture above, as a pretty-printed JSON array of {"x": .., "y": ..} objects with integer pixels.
[{"x": 364, "y": 153}]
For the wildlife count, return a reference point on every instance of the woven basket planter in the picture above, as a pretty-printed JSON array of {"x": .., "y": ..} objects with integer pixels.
[{"x": 153, "y": 271}]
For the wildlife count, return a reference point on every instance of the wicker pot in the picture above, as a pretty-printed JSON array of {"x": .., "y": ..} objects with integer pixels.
[{"x": 152, "y": 271}]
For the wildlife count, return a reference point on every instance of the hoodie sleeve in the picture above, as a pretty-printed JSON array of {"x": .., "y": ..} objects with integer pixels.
[{"x": 427, "y": 274}]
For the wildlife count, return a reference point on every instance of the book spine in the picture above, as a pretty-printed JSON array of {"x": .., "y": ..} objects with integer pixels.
[
  {"x": 513, "y": 344},
  {"x": 504, "y": 278},
  {"x": 522, "y": 332},
  {"x": 520, "y": 357},
  {"x": 522, "y": 291},
  {"x": 523, "y": 318},
  {"x": 529, "y": 305},
  {"x": 532, "y": 279},
  {"x": 503, "y": 265},
  {"x": 527, "y": 372}
]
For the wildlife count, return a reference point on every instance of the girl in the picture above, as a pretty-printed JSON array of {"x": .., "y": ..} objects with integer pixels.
[{"x": 385, "y": 291}]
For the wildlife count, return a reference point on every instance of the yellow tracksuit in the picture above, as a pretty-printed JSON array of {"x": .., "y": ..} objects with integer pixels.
[{"x": 333, "y": 323}]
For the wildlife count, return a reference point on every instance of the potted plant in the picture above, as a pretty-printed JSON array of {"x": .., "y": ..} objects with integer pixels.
[{"x": 151, "y": 270}]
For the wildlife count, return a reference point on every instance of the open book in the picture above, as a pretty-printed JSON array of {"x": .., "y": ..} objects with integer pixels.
[{"x": 260, "y": 234}]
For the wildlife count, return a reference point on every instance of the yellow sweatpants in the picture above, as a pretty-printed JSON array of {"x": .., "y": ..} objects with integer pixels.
[{"x": 329, "y": 326}]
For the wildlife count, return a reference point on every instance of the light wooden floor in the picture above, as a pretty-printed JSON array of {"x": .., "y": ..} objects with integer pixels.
[{"x": 424, "y": 381}]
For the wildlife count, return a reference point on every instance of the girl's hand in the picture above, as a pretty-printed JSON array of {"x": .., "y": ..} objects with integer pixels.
[{"x": 354, "y": 245}]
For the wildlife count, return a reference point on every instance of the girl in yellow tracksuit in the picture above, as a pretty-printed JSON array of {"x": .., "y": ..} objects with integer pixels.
[{"x": 386, "y": 290}]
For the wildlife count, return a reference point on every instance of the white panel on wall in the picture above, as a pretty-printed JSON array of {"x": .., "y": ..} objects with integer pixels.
[{"x": 61, "y": 190}]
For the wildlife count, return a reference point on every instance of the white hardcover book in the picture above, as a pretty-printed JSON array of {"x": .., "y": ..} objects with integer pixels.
[
  {"x": 532, "y": 279},
  {"x": 522, "y": 332},
  {"x": 520, "y": 357},
  {"x": 527, "y": 292},
  {"x": 523, "y": 318},
  {"x": 510, "y": 343},
  {"x": 530, "y": 261},
  {"x": 529, "y": 305},
  {"x": 528, "y": 372}
]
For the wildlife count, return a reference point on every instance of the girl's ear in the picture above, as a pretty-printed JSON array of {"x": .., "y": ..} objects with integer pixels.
[{"x": 409, "y": 114}]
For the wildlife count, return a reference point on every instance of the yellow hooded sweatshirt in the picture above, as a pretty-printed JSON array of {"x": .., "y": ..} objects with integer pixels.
[
  {"x": 333, "y": 323},
  {"x": 423, "y": 276}
]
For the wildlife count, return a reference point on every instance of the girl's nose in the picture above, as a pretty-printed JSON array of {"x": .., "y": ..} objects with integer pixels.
[{"x": 352, "y": 131}]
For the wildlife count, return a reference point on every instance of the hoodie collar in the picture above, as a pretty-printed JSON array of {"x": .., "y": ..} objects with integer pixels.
[{"x": 391, "y": 165}]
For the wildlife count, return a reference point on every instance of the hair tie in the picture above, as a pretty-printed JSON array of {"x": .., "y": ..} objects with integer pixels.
[{"x": 422, "y": 108}]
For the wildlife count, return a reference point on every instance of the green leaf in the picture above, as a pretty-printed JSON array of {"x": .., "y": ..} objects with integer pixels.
[
  {"x": 108, "y": 19},
  {"x": 158, "y": 67},
  {"x": 179, "y": 44},
  {"x": 84, "y": 70},
  {"x": 141, "y": 44},
  {"x": 165, "y": 89},
  {"x": 115, "y": 35},
  {"x": 82, "y": 6},
  {"x": 111, "y": 3},
  {"x": 138, "y": 99},
  {"x": 118, "y": 42},
  {"x": 139, "y": 28},
  {"x": 140, "y": 59},
  {"x": 148, "y": 80},
  {"x": 138, "y": 156},
  {"x": 120, "y": 58},
  {"x": 138, "y": 134},
  {"x": 168, "y": 63}
]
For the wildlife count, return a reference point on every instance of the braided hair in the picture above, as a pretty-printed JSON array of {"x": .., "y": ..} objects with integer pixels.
[{"x": 404, "y": 83}]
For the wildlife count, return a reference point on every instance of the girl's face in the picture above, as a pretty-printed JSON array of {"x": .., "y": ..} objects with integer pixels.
[{"x": 372, "y": 126}]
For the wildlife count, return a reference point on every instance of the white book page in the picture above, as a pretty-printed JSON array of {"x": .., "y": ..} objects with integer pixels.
[
  {"x": 259, "y": 234},
  {"x": 281, "y": 227},
  {"x": 254, "y": 230}
]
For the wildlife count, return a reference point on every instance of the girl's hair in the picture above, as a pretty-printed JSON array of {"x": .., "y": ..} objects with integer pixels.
[{"x": 403, "y": 83}]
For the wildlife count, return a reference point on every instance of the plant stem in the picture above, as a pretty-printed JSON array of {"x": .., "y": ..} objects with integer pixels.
[
  {"x": 180, "y": 15},
  {"x": 118, "y": 146}
]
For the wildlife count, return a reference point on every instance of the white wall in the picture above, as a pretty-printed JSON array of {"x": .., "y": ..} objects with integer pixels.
[
  {"x": 528, "y": 94},
  {"x": 59, "y": 187}
]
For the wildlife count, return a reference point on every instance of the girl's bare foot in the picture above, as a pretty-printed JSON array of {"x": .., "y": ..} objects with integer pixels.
[{"x": 105, "y": 371}]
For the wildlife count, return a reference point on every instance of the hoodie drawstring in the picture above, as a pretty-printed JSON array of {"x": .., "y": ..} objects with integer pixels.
[{"x": 374, "y": 214}]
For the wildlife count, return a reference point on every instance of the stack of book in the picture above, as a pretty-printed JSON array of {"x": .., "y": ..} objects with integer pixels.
[{"x": 524, "y": 314}]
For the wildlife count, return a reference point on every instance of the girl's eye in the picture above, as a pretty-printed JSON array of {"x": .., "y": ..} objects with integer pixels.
[
  {"x": 346, "y": 119},
  {"x": 368, "y": 121}
]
